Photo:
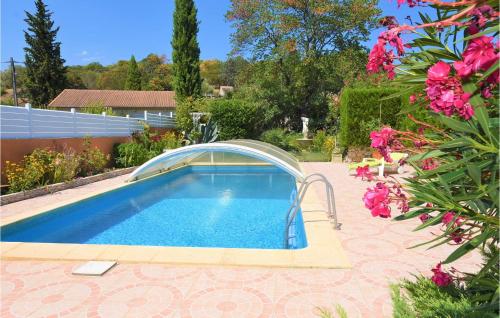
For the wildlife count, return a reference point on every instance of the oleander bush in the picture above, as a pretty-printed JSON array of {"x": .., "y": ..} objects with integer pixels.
[{"x": 452, "y": 67}]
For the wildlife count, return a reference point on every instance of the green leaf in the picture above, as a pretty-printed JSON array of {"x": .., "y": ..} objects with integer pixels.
[
  {"x": 482, "y": 117},
  {"x": 428, "y": 154},
  {"x": 426, "y": 42},
  {"x": 487, "y": 31},
  {"x": 443, "y": 54},
  {"x": 457, "y": 125},
  {"x": 474, "y": 173},
  {"x": 455, "y": 143},
  {"x": 490, "y": 71},
  {"x": 469, "y": 246}
]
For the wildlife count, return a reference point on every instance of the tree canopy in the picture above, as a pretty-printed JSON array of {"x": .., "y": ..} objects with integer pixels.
[
  {"x": 133, "y": 82},
  {"x": 45, "y": 70},
  {"x": 299, "y": 44},
  {"x": 186, "y": 52}
]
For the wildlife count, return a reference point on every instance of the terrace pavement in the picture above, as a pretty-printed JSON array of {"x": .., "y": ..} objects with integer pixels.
[{"x": 377, "y": 249}]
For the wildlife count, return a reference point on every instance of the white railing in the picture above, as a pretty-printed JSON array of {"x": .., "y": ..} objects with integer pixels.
[{"x": 26, "y": 122}]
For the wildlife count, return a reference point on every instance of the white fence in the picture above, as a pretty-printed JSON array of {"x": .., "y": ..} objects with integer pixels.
[{"x": 26, "y": 122}]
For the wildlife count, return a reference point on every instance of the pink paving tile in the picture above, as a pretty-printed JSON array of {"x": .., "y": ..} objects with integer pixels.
[{"x": 378, "y": 249}]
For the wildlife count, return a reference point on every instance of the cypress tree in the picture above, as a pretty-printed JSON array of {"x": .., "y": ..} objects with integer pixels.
[
  {"x": 45, "y": 70},
  {"x": 133, "y": 82},
  {"x": 186, "y": 52}
]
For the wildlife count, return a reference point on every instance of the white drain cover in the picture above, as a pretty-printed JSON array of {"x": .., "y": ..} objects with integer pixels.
[{"x": 94, "y": 268}]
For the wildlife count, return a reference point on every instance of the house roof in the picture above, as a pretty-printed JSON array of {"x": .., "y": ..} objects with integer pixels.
[{"x": 114, "y": 98}]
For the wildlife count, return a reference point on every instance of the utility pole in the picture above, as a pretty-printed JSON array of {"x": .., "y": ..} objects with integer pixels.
[{"x": 14, "y": 88}]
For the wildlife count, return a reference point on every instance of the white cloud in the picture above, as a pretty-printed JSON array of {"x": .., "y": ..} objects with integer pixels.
[{"x": 84, "y": 52}]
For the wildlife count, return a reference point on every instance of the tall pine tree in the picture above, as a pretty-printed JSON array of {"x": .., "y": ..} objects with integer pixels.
[
  {"x": 45, "y": 70},
  {"x": 186, "y": 52},
  {"x": 133, "y": 82}
]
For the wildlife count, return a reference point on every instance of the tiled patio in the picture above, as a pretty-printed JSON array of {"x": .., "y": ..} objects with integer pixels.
[{"x": 377, "y": 249}]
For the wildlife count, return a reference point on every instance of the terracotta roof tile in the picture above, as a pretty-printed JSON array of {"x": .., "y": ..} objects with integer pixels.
[{"x": 114, "y": 98}]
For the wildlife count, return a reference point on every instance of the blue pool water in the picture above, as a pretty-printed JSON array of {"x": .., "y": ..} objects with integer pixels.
[{"x": 240, "y": 206}]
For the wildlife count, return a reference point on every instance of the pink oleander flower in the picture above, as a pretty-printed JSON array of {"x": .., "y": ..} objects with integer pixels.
[
  {"x": 449, "y": 216},
  {"x": 413, "y": 99},
  {"x": 411, "y": 3},
  {"x": 382, "y": 140},
  {"x": 364, "y": 172},
  {"x": 479, "y": 55},
  {"x": 424, "y": 217},
  {"x": 486, "y": 92},
  {"x": 380, "y": 58},
  {"x": 457, "y": 236},
  {"x": 445, "y": 93},
  {"x": 429, "y": 164},
  {"x": 376, "y": 199},
  {"x": 439, "y": 277},
  {"x": 482, "y": 14}
]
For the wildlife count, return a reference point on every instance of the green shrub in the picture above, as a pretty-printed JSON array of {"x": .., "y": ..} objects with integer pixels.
[
  {"x": 46, "y": 166},
  {"x": 319, "y": 140},
  {"x": 184, "y": 109},
  {"x": 92, "y": 160},
  {"x": 235, "y": 118},
  {"x": 144, "y": 146},
  {"x": 424, "y": 299},
  {"x": 65, "y": 166},
  {"x": 362, "y": 111},
  {"x": 131, "y": 154},
  {"x": 97, "y": 108},
  {"x": 280, "y": 138}
]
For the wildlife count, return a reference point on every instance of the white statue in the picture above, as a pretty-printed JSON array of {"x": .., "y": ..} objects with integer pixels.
[{"x": 305, "y": 129}]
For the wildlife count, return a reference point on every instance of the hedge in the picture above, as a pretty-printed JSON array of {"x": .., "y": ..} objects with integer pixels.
[
  {"x": 235, "y": 118},
  {"x": 362, "y": 111}
]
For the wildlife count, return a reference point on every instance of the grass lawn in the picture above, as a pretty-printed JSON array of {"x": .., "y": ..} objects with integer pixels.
[{"x": 307, "y": 156}]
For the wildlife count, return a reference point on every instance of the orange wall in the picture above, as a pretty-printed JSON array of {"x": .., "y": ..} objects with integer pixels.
[{"x": 14, "y": 149}]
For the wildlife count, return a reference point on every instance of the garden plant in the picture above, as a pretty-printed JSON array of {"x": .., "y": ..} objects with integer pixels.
[{"x": 451, "y": 62}]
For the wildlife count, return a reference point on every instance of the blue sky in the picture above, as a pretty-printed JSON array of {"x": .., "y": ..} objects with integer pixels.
[{"x": 109, "y": 30}]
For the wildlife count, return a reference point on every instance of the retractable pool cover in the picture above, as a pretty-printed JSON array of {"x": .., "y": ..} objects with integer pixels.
[{"x": 244, "y": 147}]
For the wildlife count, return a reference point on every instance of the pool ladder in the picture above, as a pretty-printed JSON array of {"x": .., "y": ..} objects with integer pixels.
[{"x": 295, "y": 206}]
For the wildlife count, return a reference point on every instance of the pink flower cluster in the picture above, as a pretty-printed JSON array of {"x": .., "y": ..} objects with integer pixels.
[
  {"x": 364, "y": 172},
  {"x": 377, "y": 200},
  {"x": 441, "y": 278},
  {"x": 383, "y": 140},
  {"x": 445, "y": 92},
  {"x": 479, "y": 55},
  {"x": 382, "y": 59},
  {"x": 411, "y": 3},
  {"x": 457, "y": 234},
  {"x": 429, "y": 164}
]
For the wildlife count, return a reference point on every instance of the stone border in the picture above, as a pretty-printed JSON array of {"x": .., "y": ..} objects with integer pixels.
[{"x": 19, "y": 196}]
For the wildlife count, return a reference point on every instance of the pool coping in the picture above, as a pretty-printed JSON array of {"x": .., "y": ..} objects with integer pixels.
[{"x": 324, "y": 249}]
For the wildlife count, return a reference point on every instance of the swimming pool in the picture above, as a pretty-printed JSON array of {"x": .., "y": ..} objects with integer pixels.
[{"x": 196, "y": 206}]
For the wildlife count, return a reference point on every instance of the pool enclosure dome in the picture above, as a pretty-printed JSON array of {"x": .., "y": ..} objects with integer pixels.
[{"x": 214, "y": 153}]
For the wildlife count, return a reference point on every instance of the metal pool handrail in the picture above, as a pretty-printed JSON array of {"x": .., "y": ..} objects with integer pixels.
[{"x": 295, "y": 206}]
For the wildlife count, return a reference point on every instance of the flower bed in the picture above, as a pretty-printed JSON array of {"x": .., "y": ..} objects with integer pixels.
[{"x": 23, "y": 195}]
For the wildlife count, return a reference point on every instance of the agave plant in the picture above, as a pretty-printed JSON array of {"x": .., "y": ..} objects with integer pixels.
[{"x": 203, "y": 133}]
